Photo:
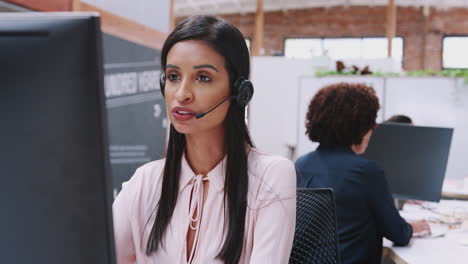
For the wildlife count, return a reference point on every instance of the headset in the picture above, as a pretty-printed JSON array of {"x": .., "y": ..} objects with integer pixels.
[{"x": 242, "y": 93}]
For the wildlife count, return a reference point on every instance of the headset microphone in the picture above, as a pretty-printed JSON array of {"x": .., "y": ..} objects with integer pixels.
[{"x": 198, "y": 116}]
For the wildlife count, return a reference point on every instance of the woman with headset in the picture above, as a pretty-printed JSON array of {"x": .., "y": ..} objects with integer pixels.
[{"x": 214, "y": 198}]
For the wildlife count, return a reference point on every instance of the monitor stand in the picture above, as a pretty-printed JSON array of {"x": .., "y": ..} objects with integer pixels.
[{"x": 399, "y": 203}]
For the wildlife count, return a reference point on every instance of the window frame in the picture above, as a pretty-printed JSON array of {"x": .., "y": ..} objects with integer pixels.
[
  {"x": 350, "y": 37},
  {"x": 442, "y": 51}
]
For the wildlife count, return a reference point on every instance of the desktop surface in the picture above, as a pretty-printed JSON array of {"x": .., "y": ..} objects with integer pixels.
[{"x": 449, "y": 241}]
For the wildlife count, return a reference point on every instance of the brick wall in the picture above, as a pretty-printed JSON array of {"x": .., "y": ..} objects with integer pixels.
[{"x": 362, "y": 22}]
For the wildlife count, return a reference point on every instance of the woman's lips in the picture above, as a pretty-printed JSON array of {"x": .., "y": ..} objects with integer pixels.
[{"x": 182, "y": 114}]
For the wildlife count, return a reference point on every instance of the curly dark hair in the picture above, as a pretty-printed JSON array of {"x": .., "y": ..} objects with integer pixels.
[{"x": 341, "y": 114}]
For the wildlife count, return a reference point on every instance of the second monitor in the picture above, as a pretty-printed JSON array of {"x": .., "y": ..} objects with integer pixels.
[{"x": 414, "y": 159}]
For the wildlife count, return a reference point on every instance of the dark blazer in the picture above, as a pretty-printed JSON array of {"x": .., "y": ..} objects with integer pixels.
[{"x": 364, "y": 206}]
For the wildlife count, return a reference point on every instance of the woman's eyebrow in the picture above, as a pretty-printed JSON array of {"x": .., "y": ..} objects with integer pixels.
[
  {"x": 173, "y": 66},
  {"x": 205, "y": 66}
]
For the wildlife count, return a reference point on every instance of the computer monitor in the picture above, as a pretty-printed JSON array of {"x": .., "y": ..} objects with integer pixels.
[
  {"x": 414, "y": 158},
  {"x": 55, "y": 192}
]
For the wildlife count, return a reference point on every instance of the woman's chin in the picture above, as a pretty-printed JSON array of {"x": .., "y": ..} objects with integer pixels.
[{"x": 183, "y": 129}]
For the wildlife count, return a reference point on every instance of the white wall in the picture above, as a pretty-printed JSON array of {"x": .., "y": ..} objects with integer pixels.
[
  {"x": 152, "y": 13},
  {"x": 441, "y": 102},
  {"x": 273, "y": 111}
]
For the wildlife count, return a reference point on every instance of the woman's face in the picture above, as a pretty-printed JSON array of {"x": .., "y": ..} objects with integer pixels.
[{"x": 196, "y": 81}]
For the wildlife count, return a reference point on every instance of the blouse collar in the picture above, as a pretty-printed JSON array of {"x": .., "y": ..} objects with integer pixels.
[{"x": 215, "y": 176}]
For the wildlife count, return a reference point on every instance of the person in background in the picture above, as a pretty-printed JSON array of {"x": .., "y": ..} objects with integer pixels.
[
  {"x": 399, "y": 119},
  {"x": 341, "y": 117},
  {"x": 214, "y": 198}
]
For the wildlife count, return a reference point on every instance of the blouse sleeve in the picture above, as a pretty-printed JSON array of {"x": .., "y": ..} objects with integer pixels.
[
  {"x": 121, "y": 209},
  {"x": 276, "y": 217},
  {"x": 388, "y": 219}
]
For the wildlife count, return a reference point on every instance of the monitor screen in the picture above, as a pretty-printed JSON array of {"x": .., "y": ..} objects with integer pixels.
[
  {"x": 414, "y": 158},
  {"x": 55, "y": 193}
]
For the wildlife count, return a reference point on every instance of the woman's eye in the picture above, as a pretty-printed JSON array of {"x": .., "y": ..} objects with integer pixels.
[
  {"x": 172, "y": 77},
  {"x": 204, "y": 78}
]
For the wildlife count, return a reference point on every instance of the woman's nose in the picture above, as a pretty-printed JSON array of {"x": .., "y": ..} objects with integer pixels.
[{"x": 184, "y": 92}]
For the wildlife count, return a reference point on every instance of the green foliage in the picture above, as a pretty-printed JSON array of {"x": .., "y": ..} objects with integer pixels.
[{"x": 451, "y": 73}]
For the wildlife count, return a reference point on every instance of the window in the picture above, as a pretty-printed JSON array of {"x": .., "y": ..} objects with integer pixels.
[
  {"x": 343, "y": 48},
  {"x": 454, "y": 54}
]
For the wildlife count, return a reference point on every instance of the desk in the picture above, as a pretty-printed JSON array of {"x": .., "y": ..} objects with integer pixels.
[
  {"x": 455, "y": 196},
  {"x": 427, "y": 250},
  {"x": 455, "y": 189}
]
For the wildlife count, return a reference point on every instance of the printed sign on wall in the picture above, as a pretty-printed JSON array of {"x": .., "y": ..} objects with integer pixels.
[{"x": 136, "y": 110}]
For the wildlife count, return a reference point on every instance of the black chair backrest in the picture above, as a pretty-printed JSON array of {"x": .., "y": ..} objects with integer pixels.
[{"x": 316, "y": 237}]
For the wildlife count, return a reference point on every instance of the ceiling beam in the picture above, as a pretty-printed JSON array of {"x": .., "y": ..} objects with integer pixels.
[
  {"x": 127, "y": 29},
  {"x": 76, "y": 4},
  {"x": 258, "y": 33},
  {"x": 172, "y": 17},
  {"x": 110, "y": 23},
  {"x": 391, "y": 25},
  {"x": 425, "y": 17}
]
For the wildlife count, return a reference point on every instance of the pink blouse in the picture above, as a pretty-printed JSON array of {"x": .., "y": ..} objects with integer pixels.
[{"x": 269, "y": 222}]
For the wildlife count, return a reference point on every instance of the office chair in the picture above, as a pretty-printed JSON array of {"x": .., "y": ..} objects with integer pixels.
[{"x": 316, "y": 238}]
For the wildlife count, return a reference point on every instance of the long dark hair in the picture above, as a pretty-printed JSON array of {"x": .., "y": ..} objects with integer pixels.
[{"x": 229, "y": 42}]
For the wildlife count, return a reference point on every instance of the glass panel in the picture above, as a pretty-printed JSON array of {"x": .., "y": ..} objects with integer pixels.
[
  {"x": 397, "y": 49},
  {"x": 343, "y": 48},
  {"x": 377, "y": 48},
  {"x": 454, "y": 52},
  {"x": 303, "y": 48}
]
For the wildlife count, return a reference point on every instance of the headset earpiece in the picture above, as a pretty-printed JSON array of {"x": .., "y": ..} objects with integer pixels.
[
  {"x": 162, "y": 82},
  {"x": 244, "y": 91}
]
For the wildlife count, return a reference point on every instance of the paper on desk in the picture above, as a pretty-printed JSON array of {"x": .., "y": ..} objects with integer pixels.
[{"x": 438, "y": 230}]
